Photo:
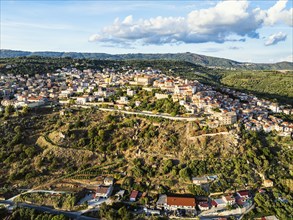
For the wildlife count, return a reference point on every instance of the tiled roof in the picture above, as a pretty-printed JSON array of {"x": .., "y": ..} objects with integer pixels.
[
  {"x": 102, "y": 189},
  {"x": 134, "y": 194},
  {"x": 180, "y": 201}
]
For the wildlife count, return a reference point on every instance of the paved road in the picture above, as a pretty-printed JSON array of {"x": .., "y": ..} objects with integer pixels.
[
  {"x": 36, "y": 191},
  {"x": 74, "y": 215},
  {"x": 248, "y": 210},
  {"x": 159, "y": 115}
]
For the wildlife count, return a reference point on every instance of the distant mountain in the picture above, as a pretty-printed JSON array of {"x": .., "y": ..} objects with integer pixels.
[{"x": 189, "y": 57}]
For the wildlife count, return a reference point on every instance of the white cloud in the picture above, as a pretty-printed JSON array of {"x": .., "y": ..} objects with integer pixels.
[
  {"x": 95, "y": 37},
  {"x": 128, "y": 20},
  {"x": 278, "y": 13},
  {"x": 275, "y": 38},
  {"x": 225, "y": 21}
]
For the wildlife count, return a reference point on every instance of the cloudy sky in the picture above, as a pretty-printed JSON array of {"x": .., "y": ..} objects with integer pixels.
[{"x": 254, "y": 31}]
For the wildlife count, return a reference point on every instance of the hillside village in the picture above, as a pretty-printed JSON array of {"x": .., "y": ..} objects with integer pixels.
[
  {"x": 119, "y": 89},
  {"x": 151, "y": 93}
]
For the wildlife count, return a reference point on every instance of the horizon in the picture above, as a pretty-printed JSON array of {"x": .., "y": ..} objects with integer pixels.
[
  {"x": 244, "y": 31},
  {"x": 143, "y": 53}
]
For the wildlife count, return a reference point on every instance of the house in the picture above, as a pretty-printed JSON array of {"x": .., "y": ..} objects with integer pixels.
[
  {"x": 268, "y": 183},
  {"x": 133, "y": 196},
  {"x": 161, "y": 96},
  {"x": 214, "y": 204},
  {"x": 101, "y": 99},
  {"x": 81, "y": 100},
  {"x": 143, "y": 80},
  {"x": 199, "y": 180},
  {"x": 152, "y": 211},
  {"x": 203, "y": 206},
  {"x": 179, "y": 202},
  {"x": 229, "y": 199},
  {"x": 219, "y": 203},
  {"x": 104, "y": 191},
  {"x": 212, "y": 177},
  {"x": 243, "y": 194},
  {"x": 120, "y": 194},
  {"x": 228, "y": 118},
  {"x": 130, "y": 92},
  {"x": 123, "y": 99},
  {"x": 109, "y": 181}
]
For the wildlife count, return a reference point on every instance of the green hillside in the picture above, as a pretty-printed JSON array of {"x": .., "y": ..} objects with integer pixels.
[{"x": 188, "y": 57}]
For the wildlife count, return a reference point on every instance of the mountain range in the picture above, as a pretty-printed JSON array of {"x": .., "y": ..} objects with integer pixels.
[{"x": 207, "y": 61}]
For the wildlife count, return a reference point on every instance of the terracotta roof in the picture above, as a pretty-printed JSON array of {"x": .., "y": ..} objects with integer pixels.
[
  {"x": 203, "y": 204},
  {"x": 134, "y": 194},
  {"x": 243, "y": 193},
  {"x": 102, "y": 189},
  {"x": 214, "y": 203},
  {"x": 229, "y": 198},
  {"x": 180, "y": 201}
]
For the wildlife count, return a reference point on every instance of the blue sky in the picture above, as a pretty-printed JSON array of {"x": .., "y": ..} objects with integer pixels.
[{"x": 253, "y": 31}]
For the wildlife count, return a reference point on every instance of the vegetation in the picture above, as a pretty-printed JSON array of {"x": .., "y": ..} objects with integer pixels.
[
  {"x": 28, "y": 214},
  {"x": 272, "y": 202},
  {"x": 58, "y": 201},
  {"x": 186, "y": 57},
  {"x": 271, "y": 84},
  {"x": 41, "y": 147}
]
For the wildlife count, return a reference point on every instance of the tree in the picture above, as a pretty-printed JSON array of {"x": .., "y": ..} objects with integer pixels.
[
  {"x": 184, "y": 173},
  {"x": 25, "y": 110},
  {"x": 8, "y": 110},
  {"x": 124, "y": 213}
]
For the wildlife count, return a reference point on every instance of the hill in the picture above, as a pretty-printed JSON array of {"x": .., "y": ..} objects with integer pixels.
[{"x": 188, "y": 57}]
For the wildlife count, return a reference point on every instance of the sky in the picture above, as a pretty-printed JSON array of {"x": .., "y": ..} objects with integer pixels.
[{"x": 242, "y": 30}]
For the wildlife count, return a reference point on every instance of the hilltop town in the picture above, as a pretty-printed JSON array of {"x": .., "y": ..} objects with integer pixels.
[{"x": 122, "y": 89}]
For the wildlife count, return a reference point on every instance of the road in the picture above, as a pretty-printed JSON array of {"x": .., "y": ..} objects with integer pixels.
[
  {"x": 36, "y": 191},
  {"x": 74, "y": 215},
  {"x": 248, "y": 210},
  {"x": 159, "y": 115}
]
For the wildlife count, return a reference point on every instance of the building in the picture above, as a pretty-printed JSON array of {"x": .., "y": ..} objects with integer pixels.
[
  {"x": 268, "y": 183},
  {"x": 180, "y": 202},
  {"x": 104, "y": 191},
  {"x": 109, "y": 181},
  {"x": 130, "y": 92},
  {"x": 243, "y": 195},
  {"x": 123, "y": 100},
  {"x": 161, "y": 96},
  {"x": 229, "y": 199},
  {"x": 200, "y": 180},
  {"x": 219, "y": 203},
  {"x": 133, "y": 196},
  {"x": 151, "y": 211},
  {"x": 228, "y": 118},
  {"x": 81, "y": 100},
  {"x": 143, "y": 80},
  {"x": 203, "y": 206}
]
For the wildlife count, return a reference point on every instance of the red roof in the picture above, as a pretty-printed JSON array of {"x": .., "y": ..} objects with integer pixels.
[
  {"x": 203, "y": 204},
  {"x": 230, "y": 198},
  {"x": 214, "y": 203},
  {"x": 180, "y": 201},
  {"x": 134, "y": 194},
  {"x": 102, "y": 189},
  {"x": 243, "y": 193},
  {"x": 240, "y": 201}
]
